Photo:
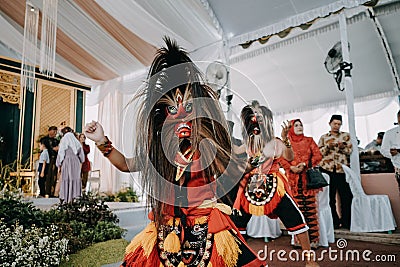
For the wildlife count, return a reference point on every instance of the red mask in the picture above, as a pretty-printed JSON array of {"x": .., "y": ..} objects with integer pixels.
[
  {"x": 180, "y": 109},
  {"x": 254, "y": 124}
]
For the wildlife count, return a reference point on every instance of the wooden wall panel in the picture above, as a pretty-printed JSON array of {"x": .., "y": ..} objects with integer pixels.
[{"x": 57, "y": 106}]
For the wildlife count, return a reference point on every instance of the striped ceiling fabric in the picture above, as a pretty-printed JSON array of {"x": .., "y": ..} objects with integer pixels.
[
  {"x": 109, "y": 45},
  {"x": 142, "y": 50},
  {"x": 75, "y": 54}
]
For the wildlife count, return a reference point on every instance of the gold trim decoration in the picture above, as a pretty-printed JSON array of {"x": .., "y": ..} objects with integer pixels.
[{"x": 10, "y": 89}]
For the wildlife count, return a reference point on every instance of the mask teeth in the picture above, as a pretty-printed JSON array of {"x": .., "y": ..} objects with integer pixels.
[{"x": 184, "y": 126}]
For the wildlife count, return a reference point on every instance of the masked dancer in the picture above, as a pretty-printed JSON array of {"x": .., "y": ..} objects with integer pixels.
[
  {"x": 265, "y": 190},
  {"x": 182, "y": 150}
]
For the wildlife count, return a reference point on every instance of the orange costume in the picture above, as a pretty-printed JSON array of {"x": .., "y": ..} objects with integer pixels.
[
  {"x": 207, "y": 234},
  {"x": 265, "y": 190},
  {"x": 189, "y": 227},
  {"x": 261, "y": 189}
]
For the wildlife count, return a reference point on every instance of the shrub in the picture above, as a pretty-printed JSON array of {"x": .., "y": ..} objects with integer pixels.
[
  {"x": 32, "y": 246},
  {"x": 13, "y": 209},
  {"x": 88, "y": 209},
  {"x": 84, "y": 221},
  {"x": 106, "y": 231},
  {"x": 125, "y": 195}
]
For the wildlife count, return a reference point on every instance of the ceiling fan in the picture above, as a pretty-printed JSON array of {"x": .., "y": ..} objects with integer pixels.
[
  {"x": 335, "y": 65},
  {"x": 217, "y": 76}
]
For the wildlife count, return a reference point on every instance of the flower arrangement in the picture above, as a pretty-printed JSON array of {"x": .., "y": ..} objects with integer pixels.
[
  {"x": 32, "y": 246},
  {"x": 32, "y": 237}
]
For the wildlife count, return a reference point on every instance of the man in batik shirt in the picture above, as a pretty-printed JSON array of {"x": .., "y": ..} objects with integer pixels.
[{"x": 335, "y": 147}]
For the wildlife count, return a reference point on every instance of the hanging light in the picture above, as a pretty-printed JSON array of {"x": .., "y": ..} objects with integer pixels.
[
  {"x": 48, "y": 38},
  {"x": 28, "y": 62}
]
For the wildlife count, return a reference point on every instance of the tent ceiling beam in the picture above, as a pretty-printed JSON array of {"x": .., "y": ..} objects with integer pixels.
[{"x": 386, "y": 47}]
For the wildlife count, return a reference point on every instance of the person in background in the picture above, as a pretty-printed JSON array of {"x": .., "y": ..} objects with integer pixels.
[
  {"x": 335, "y": 147},
  {"x": 69, "y": 159},
  {"x": 391, "y": 147},
  {"x": 86, "y": 164},
  {"x": 51, "y": 142},
  {"x": 43, "y": 167},
  {"x": 360, "y": 149},
  {"x": 377, "y": 143},
  {"x": 306, "y": 155}
]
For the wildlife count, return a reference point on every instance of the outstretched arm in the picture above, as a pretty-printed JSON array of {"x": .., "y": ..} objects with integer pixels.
[
  {"x": 287, "y": 150},
  {"x": 94, "y": 131},
  {"x": 284, "y": 149}
]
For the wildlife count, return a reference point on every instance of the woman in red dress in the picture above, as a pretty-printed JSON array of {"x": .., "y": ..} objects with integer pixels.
[
  {"x": 306, "y": 154},
  {"x": 86, "y": 164}
]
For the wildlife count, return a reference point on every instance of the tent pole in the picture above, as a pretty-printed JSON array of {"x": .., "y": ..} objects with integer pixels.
[
  {"x": 354, "y": 157},
  {"x": 229, "y": 95}
]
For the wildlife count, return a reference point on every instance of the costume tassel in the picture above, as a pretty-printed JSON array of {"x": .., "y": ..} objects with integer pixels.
[
  {"x": 181, "y": 264},
  {"x": 146, "y": 239},
  {"x": 256, "y": 210},
  {"x": 227, "y": 247},
  {"x": 172, "y": 243},
  {"x": 201, "y": 220},
  {"x": 281, "y": 187}
]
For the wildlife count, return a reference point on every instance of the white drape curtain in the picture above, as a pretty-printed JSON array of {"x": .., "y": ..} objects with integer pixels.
[
  {"x": 117, "y": 113},
  {"x": 126, "y": 85},
  {"x": 109, "y": 114}
]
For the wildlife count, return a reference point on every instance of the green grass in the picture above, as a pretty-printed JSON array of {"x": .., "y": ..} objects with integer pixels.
[{"x": 99, "y": 254}]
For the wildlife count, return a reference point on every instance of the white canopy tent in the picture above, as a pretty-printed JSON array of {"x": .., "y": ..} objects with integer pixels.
[{"x": 109, "y": 45}]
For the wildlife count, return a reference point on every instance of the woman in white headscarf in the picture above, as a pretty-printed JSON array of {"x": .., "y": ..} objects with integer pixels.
[{"x": 70, "y": 157}]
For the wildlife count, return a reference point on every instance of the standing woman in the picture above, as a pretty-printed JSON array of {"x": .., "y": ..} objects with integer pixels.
[
  {"x": 86, "y": 164},
  {"x": 69, "y": 158},
  {"x": 305, "y": 151}
]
